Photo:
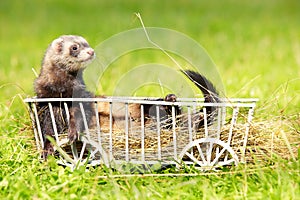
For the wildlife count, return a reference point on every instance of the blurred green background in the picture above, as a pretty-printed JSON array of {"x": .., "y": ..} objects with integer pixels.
[{"x": 254, "y": 44}]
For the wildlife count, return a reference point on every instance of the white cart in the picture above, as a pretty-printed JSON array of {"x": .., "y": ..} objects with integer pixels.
[{"x": 176, "y": 140}]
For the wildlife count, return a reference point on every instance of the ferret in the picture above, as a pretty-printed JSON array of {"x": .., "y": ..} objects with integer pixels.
[{"x": 61, "y": 77}]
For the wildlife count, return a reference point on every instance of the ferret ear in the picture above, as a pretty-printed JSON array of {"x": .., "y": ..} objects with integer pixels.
[{"x": 57, "y": 45}]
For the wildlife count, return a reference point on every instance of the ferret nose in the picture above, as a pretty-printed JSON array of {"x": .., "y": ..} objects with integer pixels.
[{"x": 91, "y": 52}]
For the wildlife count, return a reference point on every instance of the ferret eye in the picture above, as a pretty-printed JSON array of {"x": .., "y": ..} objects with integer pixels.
[{"x": 74, "y": 48}]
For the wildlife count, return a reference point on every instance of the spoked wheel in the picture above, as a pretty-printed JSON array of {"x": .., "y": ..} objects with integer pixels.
[{"x": 207, "y": 154}]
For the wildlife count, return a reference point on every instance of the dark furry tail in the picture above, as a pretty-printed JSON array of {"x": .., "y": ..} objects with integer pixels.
[{"x": 208, "y": 90}]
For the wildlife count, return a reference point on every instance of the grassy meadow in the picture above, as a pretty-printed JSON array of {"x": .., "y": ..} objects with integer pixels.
[{"x": 255, "y": 46}]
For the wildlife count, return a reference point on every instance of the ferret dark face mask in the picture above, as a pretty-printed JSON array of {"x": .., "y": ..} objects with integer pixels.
[{"x": 72, "y": 51}]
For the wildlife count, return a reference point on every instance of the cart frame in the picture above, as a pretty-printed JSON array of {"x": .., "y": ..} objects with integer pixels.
[{"x": 227, "y": 113}]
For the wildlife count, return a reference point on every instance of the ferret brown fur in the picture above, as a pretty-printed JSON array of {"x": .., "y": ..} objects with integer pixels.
[{"x": 134, "y": 113}]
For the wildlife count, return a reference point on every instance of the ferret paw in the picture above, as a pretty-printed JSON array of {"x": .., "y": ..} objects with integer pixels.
[
  {"x": 48, "y": 150},
  {"x": 72, "y": 136}
]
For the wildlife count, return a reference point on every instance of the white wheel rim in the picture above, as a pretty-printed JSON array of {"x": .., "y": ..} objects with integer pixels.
[{"x": 205, "y": 158}]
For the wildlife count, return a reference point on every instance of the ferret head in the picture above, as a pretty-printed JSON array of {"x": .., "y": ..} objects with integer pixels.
[
  {"x": 70, "y": 52},
  {"x": 171, "y": 98}
]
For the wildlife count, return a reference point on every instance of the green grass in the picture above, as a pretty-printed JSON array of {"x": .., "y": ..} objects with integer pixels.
[{"x": 255, "y": 46}]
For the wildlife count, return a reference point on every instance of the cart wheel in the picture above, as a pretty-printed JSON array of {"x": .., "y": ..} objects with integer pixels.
[{"x": 208, "y": 153}]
